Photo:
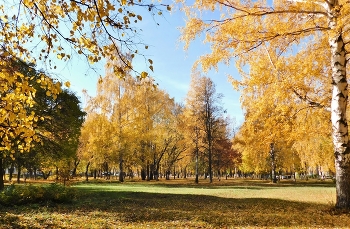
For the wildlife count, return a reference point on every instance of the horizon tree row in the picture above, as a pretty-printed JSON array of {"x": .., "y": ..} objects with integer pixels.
[{"x": 132, "y": 125}]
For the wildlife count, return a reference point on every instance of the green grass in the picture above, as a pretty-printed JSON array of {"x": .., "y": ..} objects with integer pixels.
[{"x": 182, "y": 204}]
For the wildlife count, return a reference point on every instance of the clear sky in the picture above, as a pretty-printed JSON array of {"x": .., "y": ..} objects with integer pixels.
[{"x": 172, "y": 65}]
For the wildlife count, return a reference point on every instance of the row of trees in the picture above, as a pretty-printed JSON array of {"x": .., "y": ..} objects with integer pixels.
[
  {"x": 287, "y": 111},
  {"x": 44, "y": 32},
  {"x": 133, "y": 125},
  {"x": 293, "y": 57}
]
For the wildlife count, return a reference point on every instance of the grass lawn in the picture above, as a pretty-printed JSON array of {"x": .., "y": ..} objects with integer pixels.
[{"x": 183, "y": 204}]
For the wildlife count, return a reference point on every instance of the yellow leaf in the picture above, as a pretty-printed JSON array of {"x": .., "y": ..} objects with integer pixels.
[{"x": 144, "y": 74}]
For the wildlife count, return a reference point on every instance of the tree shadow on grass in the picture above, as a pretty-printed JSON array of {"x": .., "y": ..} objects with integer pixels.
[
  {"x": 254, "y": 184},
  {"x": 222, "y": 212},
  {"x": 142, "y": 208}
]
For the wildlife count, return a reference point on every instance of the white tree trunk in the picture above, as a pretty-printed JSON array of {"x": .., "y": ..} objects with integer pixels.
[
  {"x": 339, "y": 122},
  {"x": 338, "y": 109}
]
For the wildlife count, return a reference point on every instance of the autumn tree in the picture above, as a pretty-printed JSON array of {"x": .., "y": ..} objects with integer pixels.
[
  {"x": 224, "y": 156},
  {"x": 61, "y": 29},
  {"x": 140, "y": 124},
  {"x": 175, "y": 153},
  {"x": 97, "y": 145},
  {"x": 154, "y": 124},
  {"x": 277, "y": 98},
  {"x": 114, "y": 100},
  {"x": 193, "y": 126},
  {"x": 167, "y": 135},
  {"x": 246, "y": 26},
  {"x": 205, "y": 110},
  {"x": 17, "y": 124}
]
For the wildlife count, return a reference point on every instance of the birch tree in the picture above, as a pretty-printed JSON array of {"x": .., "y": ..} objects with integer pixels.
[
  {"x": 245, "y": 26},
  {"x": 113, "y": 104}
]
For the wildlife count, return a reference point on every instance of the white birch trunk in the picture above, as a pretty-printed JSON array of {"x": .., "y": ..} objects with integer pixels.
[{"x": 338, "y": 114}]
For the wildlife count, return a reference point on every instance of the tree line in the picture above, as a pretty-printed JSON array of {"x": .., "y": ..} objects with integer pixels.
[{"x": 134, "y": 126}]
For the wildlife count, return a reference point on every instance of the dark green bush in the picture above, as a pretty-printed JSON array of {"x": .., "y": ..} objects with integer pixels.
[{"x": 30, "y": 194}]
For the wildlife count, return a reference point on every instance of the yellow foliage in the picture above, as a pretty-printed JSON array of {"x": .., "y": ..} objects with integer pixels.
[
  {"x": 17, "y": 125},
  {"x": 281, "y": 49}
]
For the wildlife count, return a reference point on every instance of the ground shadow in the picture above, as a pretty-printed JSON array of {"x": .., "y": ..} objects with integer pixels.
[{"x": 141, "y": 208}]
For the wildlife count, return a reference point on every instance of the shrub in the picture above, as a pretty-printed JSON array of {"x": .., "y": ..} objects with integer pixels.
[{"x": 30, "y": 194}]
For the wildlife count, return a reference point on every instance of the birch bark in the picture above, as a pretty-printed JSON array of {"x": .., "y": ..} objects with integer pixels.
[{"x": 338, "y": 110}]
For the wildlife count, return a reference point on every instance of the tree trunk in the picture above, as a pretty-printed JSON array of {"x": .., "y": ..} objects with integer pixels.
[
  {"x": 1, "y": 175},
  {"x": 45, "y": 176},
  {"x": 74, "y": 172},
  {"x": 35, "y": 176},
  {"x": 57, "y": 172},
  {"x": 273, "y": 164},
  {"x": 87, "y": 172},
  {"x": 18, "y": 173},
  {"x": 196, "y": 130},
  {"x": 150, "y": 175},
  {"x": 121, "y": 168},
  {"x": 339, "y": 122},
  {"x": 210, "y": 156},
  {"x": 11, "y": 171},
  {"x": 148, "y": 172},
  {"x": 196, "y": 180},
  {"x": 167, "y": 174},
  {"x": 143, "y": 174}
]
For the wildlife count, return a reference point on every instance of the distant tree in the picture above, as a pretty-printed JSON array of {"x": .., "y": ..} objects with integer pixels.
[{"x": 205, "y": 111}]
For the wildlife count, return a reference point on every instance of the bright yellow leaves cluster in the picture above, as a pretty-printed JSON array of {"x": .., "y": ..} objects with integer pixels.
[
  {"x": 17, "y": 122},
  {"x": 286, "y": 103},
  {"x": 43, "y": 30}
]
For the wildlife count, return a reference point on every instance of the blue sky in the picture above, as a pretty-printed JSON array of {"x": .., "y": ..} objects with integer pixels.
[{"x": 172, "y": 65}]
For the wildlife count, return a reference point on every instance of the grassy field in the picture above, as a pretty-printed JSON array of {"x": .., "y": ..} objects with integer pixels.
[{"x": 182, "y": 204}]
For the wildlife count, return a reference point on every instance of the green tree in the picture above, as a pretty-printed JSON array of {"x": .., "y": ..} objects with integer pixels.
[
  {"x": 48, "y": 31},
  {"x": 60, "y": 130},
  {"x": 18, "y": 122}
]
